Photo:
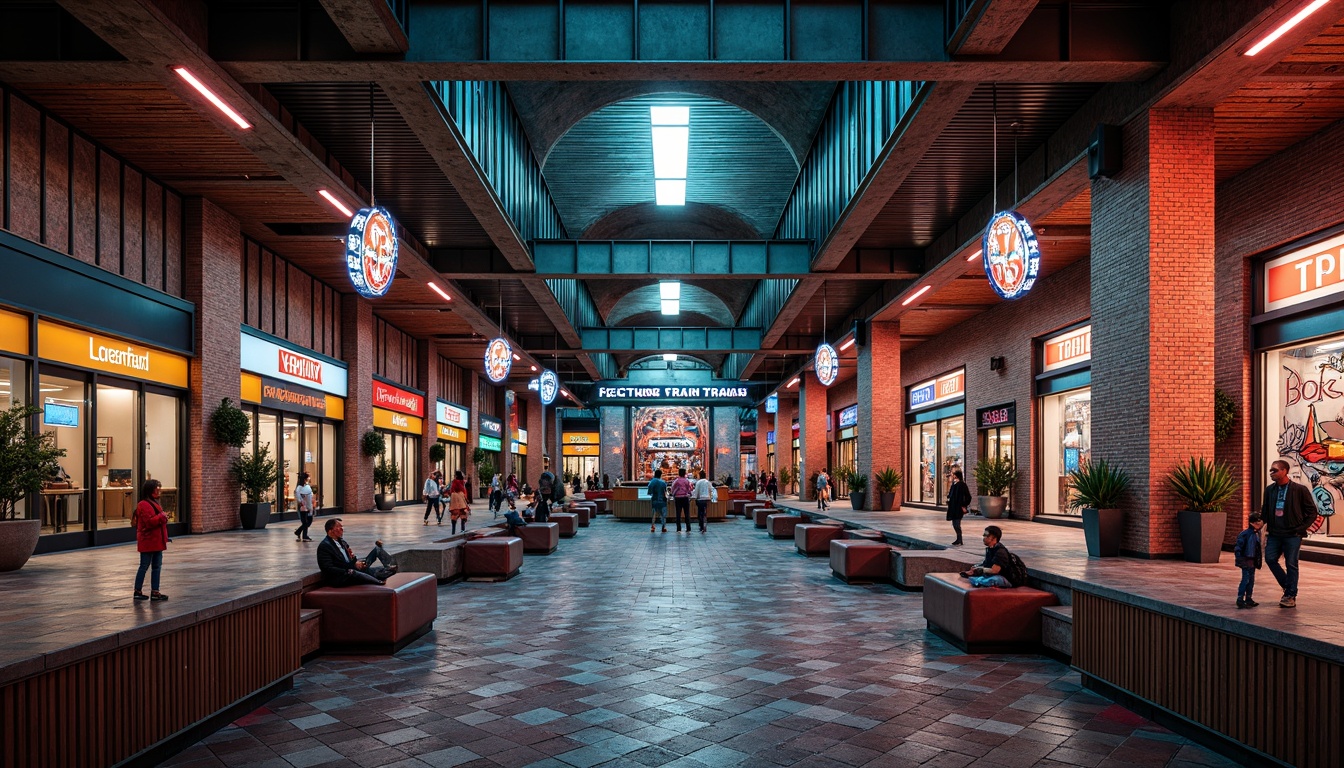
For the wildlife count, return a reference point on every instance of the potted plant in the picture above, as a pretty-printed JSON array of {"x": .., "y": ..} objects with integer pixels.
[
  {"x": 230, "y": 425},
  {"x": 993, "y": 477},
  {"x": 27, "y": 459},
  {"x": 784, "y": 478},
  {"x": 1204, "y": 487},
  {"x": 385, "y": 475},
  {"x": 1097, "y": 488},
  {"x": 485, "y": 469},
  {"x": 887, "y": 481},
  {"x": 256, "y": 473},
  {"x": 372, "y": 444},
  {"x": 437, "y": 453},
  {"x": 858, "y": 490}
]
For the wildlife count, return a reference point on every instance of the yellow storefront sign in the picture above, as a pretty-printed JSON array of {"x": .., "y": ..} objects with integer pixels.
[
  {"x": 335, "y": 407},
  {"x": 251, "y": 393},
  {"x": 13, "y": 333},
  {"x": 580, "y": 450},
  {"x": 580, "y": 438},
  {"x": 397, "y": 422},
  {"x": 64, "y": 344},
  {"x": 452, "y": 434}
]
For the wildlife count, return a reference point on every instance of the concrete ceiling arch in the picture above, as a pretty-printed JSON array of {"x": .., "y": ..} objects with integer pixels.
[
  {"x": 693, "y": 221},
  {"x": 642, "y": 306}
]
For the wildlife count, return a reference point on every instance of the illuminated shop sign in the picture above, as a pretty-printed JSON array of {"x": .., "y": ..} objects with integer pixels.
[
  {"x": 579, "y": 438},
  {"x": 701, "y": 393},
  {"x": 498, "y": 359},
  {"x": 580, "y": 450},
  {"x": 63, "y": 344},
  {"x": 292, "y": 398},
  {"x": 397, "y": 422},
  {"x": 490, "y": 443},
  {"x": 949, "y": 386},
  {"x": 371, "y": 252},
  {"x": 1305, "y": 274},
  {"x": 849, "y": 416},
  {"x": 1067, "y": 349},
  {"x": 397, "y": 399},
  {"x": 451, "y": 434},
  {"x": 826, "y": 361},
  {"x": 996, "y": 416},
  {"x": 452, "y": 414},
  {"x": 795, "y": 429},
  {"x": 491, "y": 426},
  {"x": 549, "y": 386},
  {"x": 770, "y": 437},
  {"x": 1011, "y": 255},
  {"x": 772, "y": 404},
  {"x": 266, "y": 357}
]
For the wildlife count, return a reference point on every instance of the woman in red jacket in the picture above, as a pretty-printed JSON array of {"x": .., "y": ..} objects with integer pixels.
[
  {"x": 457, "y": 502},
  {"x": 151, "y": 538}
]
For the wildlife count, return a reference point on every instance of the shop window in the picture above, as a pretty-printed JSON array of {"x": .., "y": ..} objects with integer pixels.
[
  {"x": 1066, "y": 444},
  {"x": 13, "y": 391},
  {"x": 288, "y": 461},
  {"x": 264, "y": 436},
  {"x": 162, "y": 456},
  {"x": 997, "y": 442},
  {"x": 327, "y": 490},
  {"x": 1303, "y": 419},
  {"x": 952, "y": 450},
  {"x": 65, "y": 413},
  {"x": 845, "y": 456}
]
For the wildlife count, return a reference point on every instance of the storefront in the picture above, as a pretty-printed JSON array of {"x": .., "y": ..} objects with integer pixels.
[
  {"x": 296, "y": 400},
  {"x": 452, "y": 423},
  {"x": 398, "y": 414},
  {"x": 770, "y": 451},
  {"x": 490, "y": 438},
  {"x": 935, "y": 421},
  {"x": 997, "y": 428},
  {"x": 1064, "y": 414},
  {"x": 518, "y": 447},
  {"x": 580, "y": 452},
  {"x": 795, "y": 461},
  {"x": 846, "y": 445},
  {"x": 1298, "y": 332}
]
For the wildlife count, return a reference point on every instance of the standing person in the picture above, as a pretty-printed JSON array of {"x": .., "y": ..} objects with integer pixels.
[
  {"x": 823, "y": 490},
  {"x": 1288, "y": 511},
  {"x": 457, "y": 502},
  {"x": 303, "y": 498},
  {"x": 606, "y": 482},
  {"x": 658, "y": 497},
  {"x": 772, "y": 487},
  {"x": 704, "y": 494},
  {"x": 545, "y": 495},
  {"x": 151, "y": 539},
  {"x": 681, "y": 499},
  {"x": 1247, "y": 557},
  {"x": 432, "y": 493},
  {"x": 511, "y": 490},
  {"x": 958, "y": 499},
  {"x": 496, "y": 494}
]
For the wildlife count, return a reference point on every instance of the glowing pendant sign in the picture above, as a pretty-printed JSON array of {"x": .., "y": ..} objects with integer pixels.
[
  {"x": 550, "y": 386},
  {"x": 498, "y": 360},
  {"x": 827, "y": 363},
  {"x": 371, "y": 252},
  {"x": 1012, "y": 257}
]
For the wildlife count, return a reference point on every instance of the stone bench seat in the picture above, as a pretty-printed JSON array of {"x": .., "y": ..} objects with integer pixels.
[
  {"x": 758, "y": 513},
  {"x": 781, "y": 525},
  {"x": 857, "y": 561},
  {"x": 310, "y": 631},
  {"x": 492, "y": 558},
  {"x": 441, "y": 558},
  {"x": 376, "y": 619},
  {"x": 814, "y": 539},
  {"x": 568, "y": 523},
  {"x": 984, "y": 620},
  {"x": 910, "y": 566},
  {"x": 586, "y": 511},
  {"x": 538, "y": 538},
  {"x": 866, "y": 534}
]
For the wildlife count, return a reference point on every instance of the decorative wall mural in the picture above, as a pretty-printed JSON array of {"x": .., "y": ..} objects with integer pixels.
[
  {"x": 670, "y": 437},
  {"x": 1310, "y": 422}
]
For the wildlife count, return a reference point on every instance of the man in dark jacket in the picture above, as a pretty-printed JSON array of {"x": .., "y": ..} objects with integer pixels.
[
  {"x": 1288, "y": 511},
  {"x": 338, "y": 564},
  {"x": 958, "y": 499}
]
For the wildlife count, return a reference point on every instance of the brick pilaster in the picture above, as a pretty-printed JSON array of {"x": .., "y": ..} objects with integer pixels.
[
  {"x": 357, "y": 352},
  {"x": 764, "y": 424},
  {"x": 811, "y": 432},
  {"x": 506, "y": 455},
  {"x": 427, "y": 378},
  {"x": 784, "y": 437},
  {"x": 536, "y": 447},
  {"x": 881, "y": 407}
]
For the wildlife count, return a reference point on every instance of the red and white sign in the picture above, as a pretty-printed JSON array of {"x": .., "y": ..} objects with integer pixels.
[
  {"x": 949, "y": 386},
  {"x": 397, "y": 399},
  {"x": 266, "y": 357},
  {"x": 1306, "y": 274},
  {"x": 1067, "y": 349},
  {"x": 301, "y": 367}
]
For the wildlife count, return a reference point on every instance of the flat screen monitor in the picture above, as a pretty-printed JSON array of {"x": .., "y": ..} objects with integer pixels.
[
  {"x": 119, "y": 477},
  {"x": 57, "y": 415}
]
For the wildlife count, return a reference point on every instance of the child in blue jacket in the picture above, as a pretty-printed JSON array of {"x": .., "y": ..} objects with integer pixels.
[{"x": 1248, "y": 555}]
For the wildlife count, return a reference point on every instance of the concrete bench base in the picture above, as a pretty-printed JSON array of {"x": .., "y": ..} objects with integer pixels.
[
  {"x": 310, "y": 631},
  {"x": 376, "y": 619},
  {"x": 984, "y": 620},
  {"x": 441, "y": 558},
  {"x": 814, "y": 539},
  {"x": 855, "y": 561},
  {"x": 492, "y": 558},
  {"x": 1057, "y": 630},
  {"x": 780, "y": 526},
  {"x": 910, "y": 566},
  {"x": 539, "y": 538},
  {"x": 866, "y": 534}
]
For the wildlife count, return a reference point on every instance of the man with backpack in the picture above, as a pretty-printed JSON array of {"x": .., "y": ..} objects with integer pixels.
[
  {"x": 545, "y": 495},
  {"x": 1001, "y": 568}
]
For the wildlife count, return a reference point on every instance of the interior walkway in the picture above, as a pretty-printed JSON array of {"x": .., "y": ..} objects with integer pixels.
[{"x": 625, "y": 648}]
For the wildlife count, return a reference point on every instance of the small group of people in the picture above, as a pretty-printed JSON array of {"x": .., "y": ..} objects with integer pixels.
[
  {"x": 501, "y": 491},
  {"x": 770, "y": 484},
  {"x": 823, "y": 490},
  {"x": 1287, "y": 513},
  {"x": 456, "y": 493},
  {"x": 682, "y": 490}
]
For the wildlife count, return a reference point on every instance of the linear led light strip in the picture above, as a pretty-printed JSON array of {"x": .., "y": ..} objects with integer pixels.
[
  {"x": 1283, "y": 28},
  {"x": 201, "y": 88},
  {"x": 671, "y": 137}
]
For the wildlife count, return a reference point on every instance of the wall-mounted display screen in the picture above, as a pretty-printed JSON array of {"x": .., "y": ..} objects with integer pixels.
[{"x": 57, "y": 415}]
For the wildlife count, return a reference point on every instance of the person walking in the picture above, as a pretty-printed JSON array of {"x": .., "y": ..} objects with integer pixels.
[
  {"x": 303, "y": 499},
  {"x": 704, "y": 494},
  {"x": 511, "y": 490},
  {"x": 457, "y": 502},
  {"x": 772, "y": 487},
  {"x": 823, "y": 490},
  {"x": 496, "y": 494},
  {"x": 1289, "y": 511},
  {"x": 151, "y": 539},
  {"x": 432, "y": 493},
  {"x": 958, "y": 499},
  {"x": 681, "y": 499},
  {"x": 658, "y": 498},
  {"x": 1247, "y": 556}
]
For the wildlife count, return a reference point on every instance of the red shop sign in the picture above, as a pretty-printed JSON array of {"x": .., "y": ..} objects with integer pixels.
[{"x": 397, "y": 399}]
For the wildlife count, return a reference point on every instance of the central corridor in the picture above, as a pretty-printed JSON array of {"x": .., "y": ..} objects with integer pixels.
[{"x": 626, "y": 648}]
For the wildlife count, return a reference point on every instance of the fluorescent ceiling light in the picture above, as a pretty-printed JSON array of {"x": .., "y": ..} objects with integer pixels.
[
  {"x": 976, "y": 255},
  {"x": 916, "y": 295},
  {"x": 516, "y": 358},
  {"x": 670, "y": 357},
  {"x": 438, "y": 290},
  {"x": 847, "y": 344},
  {"x": 1285, "y": 26},
  {"x": 791, "y": 383},
  {"x": 218, "y": 102},
  {"x": 671, "y": 307},
  {"x": 669, "y": 289},
  {"x": 670, "y": 115},
  {"x": 337, "y": 203},
  {"x": 534, "y": 369},
  {"x": 670, "y": 191},
  {"x": 669, "y": 151}
]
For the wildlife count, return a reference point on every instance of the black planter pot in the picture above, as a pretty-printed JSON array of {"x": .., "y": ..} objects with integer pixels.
[
  {"x": 1202, "y": 535},
  {"x": 1103, "y": 528},
  {"x": 385, "y": 501},
  {"x": 255, "y": 516},
  {"x": 857, "y": 498},
  {"x": 886, "y": 501}
]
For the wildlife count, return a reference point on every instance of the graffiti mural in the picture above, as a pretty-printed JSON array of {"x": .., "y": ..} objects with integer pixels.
[
  {"x": 1310, "y": 405},
  {"x": 668, "y": 438}
]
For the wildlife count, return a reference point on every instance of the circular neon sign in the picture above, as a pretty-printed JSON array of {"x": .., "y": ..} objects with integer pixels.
[
  {"x": 550, "y": 387},
  {"x": 827, "y": 362},
  {"x": 371, "y": 252},
  {"x": 498, "y": 359},
  {"x": 1012, "y": 257}
]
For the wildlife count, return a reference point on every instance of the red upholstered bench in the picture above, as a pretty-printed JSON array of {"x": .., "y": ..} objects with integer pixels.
[
  {"x": 568, "y": 522},
  {"x": 492, "y": 558},
  {"x": 740, "y": 506},
  {"x": 814, "y": 539},
  {"x": 780, "y": 525},
  {"x": 585, "y": 510},
  {"x": 984, "y": 620},
  {"x": 867, "y": 534},
  {"x": 368, "y": 618},
  {"x": 539, "y": 538},
  {"x": 759, "y": 512},
  {"x": 856, "y": 561}
]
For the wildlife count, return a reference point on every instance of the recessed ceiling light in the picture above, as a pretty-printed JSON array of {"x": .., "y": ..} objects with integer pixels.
[
  {"x": 670, "y": 115},
  {"x": 670, "y": 191},
  {"x": 669, "y": 289},
  {"x": 435, "y": 287},
  {"x": 201, "y": 88},
  {"x": 534, "y": 369},
  {"x": 671, "y": 134},
  {"x": 791, "y": 383},
  {"x": 976, "y": 255},
  {"x": 847, "y": 344},
  {"x": 516, "y": 358},
  {"x": 671, "y": 307},
  {"x": 670, "y": 357},
  {"x": 335, "y": 202},
  {"x": 1285, "y": 26}
]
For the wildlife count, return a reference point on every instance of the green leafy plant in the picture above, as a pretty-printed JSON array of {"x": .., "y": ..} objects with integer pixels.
[
  {"x": 27, "y": 458},
  {"x": 437, "y": 453},
  {"x": 478, "y": 456},
  {"x": 385, "y": 475},
  {"x": 784, "y": 477},
  {"x": 230, "y": 425},
  {"x": 857, "y": 483},
  {"x": 995, "y": 475},
  {"x": 372, "y": 444},
  {"x": 887, "y": 480},
  {"x": 1098, "y": 484},
  {"x": 256, "y": 472},
  {"x": 485, "y": 469},
  {"x": 1224, "y": 414},
  {"x": 842, "y": 474},
  {"x": 1203, "y": 486}
]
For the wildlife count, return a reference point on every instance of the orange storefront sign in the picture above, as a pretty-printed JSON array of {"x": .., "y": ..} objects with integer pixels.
[
  {"x": 1306, "y": 274},
  {"x": 580, "y": 438},
  {"x": 580, "y": 450},
  {"x": 64, "y": 344},
  {"x": 13, "y": 333},
  {"x": 451, "y": 434},
  {"x": 1068, "y": 349}
]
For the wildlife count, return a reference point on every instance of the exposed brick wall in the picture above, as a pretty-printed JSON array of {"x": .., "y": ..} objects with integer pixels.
[
  {"x": 357, "y": 352},
  {"x": 535, "y": 448},
  {"x": 427, "y": 378},
  {"x": 281, "y": 299},
  {"x": 213, "y": 250},
  {"x": 393, "y": 353},
  {"x": 841, "y": 395},
  {"x": 812, "y": 410},
  {"x": 764, "y": 423},
  {"x": 788, "y": 409},
  {"x": 881, "y": 411},
  {"x": 1056, "y": 301}
]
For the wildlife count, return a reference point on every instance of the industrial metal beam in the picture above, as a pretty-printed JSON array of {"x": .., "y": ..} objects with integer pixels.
[
  {"x": 688, "y": 340},
  {"x": 370, "y": 26}
]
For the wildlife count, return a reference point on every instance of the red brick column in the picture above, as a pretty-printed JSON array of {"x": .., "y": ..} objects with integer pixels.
[
  {"x": 881, "y": 407},
  {"x": 1153, "y": 315},
  {"x": 427, "y": 378},
  {"x": 473, "y": 435},
  {"x": 506, "y": 455},
  {"x": 764, "y": 423},
  {"x": 811, "y": 432},
  {"x": 357, "y": 352},
  {"x": 784, "y": 437},
  {"x": 536, "y": 448},
  {"x": 212, "y": 281}
]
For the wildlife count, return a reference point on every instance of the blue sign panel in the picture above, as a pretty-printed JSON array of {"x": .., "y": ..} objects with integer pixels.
[
  {"x": 922, "y": 395},
  {"x": 770, "y": 437},
  {"x": 849, "y": 416},
  {"x": 772, "y": 404},
  {"x": 1011, "y": 255},
  {"x": 371, "y": 252}
]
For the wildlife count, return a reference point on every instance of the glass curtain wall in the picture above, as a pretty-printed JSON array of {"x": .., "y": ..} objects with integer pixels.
[
  {"x": 306, "y": 445},
  {"x": 936, "y": 449},
  {"x": 66, "y": 414},
  {"x": 163, "y": 420},
  {"x": 14, "y": 390}
]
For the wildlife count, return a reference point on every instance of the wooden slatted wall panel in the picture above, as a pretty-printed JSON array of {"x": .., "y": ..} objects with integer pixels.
[
  {"x": 453, "y": 384},
  {"x": 64, "y": 191},
  {"x": 1228, "y": 683},
  {"x": 394, "y": 354},
  {"x": 282, "y": 299},
  {"x": 105, "y": 709}
]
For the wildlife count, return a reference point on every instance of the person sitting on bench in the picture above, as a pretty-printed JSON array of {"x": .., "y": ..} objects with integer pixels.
[
  {"x": 514, "y": 520},
  {"x": 1000, "y": 568},
  {"x": 338, "y": 564}
]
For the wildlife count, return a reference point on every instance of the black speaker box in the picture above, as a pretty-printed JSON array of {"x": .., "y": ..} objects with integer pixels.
[
  {"x": 1103, "y": 152},
  {"x": 860, "y": 333}
]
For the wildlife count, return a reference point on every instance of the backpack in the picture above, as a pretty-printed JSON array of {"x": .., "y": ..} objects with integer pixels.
[
  {"x": 1016, "y": 573},
  {"x": 544, "y": 484}
]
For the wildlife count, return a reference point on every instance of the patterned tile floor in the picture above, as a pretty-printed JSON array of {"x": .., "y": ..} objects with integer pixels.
[{"x": 626, "y": 648}]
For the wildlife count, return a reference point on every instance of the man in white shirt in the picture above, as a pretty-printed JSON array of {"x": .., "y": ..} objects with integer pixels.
[{"x": 703, "y": 493}]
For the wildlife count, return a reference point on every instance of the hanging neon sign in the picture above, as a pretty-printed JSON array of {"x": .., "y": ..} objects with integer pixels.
[
  {"x": 1012, "y": 257},
  {"x": 371, "y": 252},
  {"x": 498, "y": 359},
  {"x": 827, "y": 363}
]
